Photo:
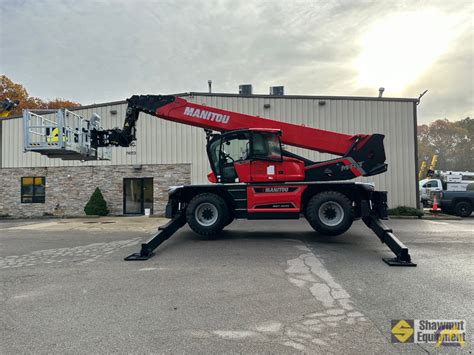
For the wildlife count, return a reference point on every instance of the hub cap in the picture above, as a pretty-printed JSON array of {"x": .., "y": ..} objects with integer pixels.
[
  {"x": 206, "y": 214},
  {"x": 331, "y": 213}
]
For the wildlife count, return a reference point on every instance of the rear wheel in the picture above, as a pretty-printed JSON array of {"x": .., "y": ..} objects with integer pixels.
[
  {"x": 463, "y": 209},
  {"x": 207, "y": 214},
  {"x": 330, "y": 213}
]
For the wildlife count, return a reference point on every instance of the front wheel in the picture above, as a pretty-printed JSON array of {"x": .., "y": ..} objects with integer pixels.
[
  {"x": 330, "y": 213},
  {"x": 207, "y": 214}
]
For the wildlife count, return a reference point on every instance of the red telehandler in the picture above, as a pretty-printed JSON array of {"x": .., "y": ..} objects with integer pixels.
[{"x": 256, "y": 178}]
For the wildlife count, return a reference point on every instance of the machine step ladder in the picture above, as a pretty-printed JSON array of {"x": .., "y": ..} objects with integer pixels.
[{"x": 62, "y": 134}]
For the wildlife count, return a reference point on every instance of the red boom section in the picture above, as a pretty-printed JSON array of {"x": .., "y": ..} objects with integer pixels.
[{"x": 180, "y": 110}]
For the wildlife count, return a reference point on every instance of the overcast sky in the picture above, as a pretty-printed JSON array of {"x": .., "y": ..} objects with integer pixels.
[{"x": 98, "y": 51}]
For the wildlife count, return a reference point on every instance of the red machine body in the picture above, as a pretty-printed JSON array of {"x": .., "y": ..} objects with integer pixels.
[{"x": 288, "y": 169}]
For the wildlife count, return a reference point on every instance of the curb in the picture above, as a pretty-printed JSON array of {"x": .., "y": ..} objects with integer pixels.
[
  {"x": 404, "y": 217},
  {"x": 429, "y": 217},
  {"x": 12, "y": 218},
  {"x": 443, "y": 216}
]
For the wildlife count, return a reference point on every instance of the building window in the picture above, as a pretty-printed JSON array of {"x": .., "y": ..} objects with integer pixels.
[{"x": 33, "y": 189}]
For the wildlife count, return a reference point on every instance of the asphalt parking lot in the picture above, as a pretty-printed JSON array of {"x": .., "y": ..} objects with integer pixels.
[{"x": 260, "y": 287}]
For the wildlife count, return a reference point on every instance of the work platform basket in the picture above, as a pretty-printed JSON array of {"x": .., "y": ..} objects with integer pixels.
[{"x": 62, "y": 134}]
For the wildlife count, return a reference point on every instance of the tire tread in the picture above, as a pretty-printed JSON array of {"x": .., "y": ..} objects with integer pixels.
[
  {"x": 222, "y": 209},
  {"x": 313, "y": 207}
]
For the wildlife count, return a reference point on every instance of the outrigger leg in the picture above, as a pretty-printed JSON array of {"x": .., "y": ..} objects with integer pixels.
[
  {"x": 164, "y": 233},
  {"x": 385, "y": 234}
]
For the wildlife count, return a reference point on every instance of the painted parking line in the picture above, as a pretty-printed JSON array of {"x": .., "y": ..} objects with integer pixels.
[
  {"x": 436, "y": 222},
  {"x": 315, "y": 331}
]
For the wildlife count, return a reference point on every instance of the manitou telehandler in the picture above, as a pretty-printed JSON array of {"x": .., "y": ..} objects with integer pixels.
[{"x": 254, "y": 177}]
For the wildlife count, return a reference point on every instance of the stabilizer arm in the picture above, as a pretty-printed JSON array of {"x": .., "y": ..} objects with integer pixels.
[
  {"x": 372, "y": 216},
  {"x": 386, "y": 236},
  {"x": 164, "y": 233}
]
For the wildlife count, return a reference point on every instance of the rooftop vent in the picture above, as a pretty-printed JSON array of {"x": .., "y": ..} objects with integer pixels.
[
  {"x": 245, "y": 89},
  {"x": 277, "y": 90}
]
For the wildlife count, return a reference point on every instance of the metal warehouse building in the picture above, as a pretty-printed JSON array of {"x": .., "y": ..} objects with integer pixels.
[{"x": 169, "y": 153}]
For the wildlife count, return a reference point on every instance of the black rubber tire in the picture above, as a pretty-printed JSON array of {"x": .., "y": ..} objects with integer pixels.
[
  {"x": 222, "y": 214},
  {"x": 463, "y": 209},
  {"x": 230, "y": 219},
  {"x": 312, "y": 212}
]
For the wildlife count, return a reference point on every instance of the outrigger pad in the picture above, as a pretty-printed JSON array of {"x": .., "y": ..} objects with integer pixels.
[
  {"x": 386, "y": 236},
  {"x": 164, "y": 233},
  {"x": 397, "y": 262},
  {"x": 139, "y": 256}
]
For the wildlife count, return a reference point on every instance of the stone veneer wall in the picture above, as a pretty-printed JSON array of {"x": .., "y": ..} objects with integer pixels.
[{"x": 69, "y": 188}]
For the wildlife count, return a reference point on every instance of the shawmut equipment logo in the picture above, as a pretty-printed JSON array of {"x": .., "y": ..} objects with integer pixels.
[
  {"x": 429, "y": 331},
  {"x": 402, "y": 331},
  {"x": 206, "y": 115}
]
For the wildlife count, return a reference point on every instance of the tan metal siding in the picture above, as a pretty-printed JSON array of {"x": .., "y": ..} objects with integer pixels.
[{"x": 164, "y": 142}]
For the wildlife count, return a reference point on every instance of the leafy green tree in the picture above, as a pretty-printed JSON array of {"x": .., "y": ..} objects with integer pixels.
[
  {"x": 97, "y": 204},
  {"x": 466, "y": 147},
  {"x": 452, "y": 141}
]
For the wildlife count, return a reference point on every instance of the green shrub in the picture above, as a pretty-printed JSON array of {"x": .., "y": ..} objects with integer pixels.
[
  {"x": 405, "y": 211},
  {"x": 96, "y": 204}
]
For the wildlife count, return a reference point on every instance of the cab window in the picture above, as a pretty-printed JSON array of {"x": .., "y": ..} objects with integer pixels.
[
  {"x": 431, "y": 184},
  {"x": 266, "y": 146},
  {"x": 236, "y": 147},
  {"x": 214, "y": 150}
]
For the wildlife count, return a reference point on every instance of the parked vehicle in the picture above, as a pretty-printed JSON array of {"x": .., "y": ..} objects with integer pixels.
[
  {"x": 430, "y": 187},
  {"x": 459, "y": 203},
  {"x": 427, "y": 188}
]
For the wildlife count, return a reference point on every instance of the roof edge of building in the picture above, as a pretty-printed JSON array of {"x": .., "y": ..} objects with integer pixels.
[
  {"x": 263, "y": 96},
  {"x": 320, "y": 97}
]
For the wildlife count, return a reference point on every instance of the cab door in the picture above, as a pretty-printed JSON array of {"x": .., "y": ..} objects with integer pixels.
[
  {"x": 229, "y": 157},
  {"x": 429, "y": 188},
  {"x": 265, "y": 151}
]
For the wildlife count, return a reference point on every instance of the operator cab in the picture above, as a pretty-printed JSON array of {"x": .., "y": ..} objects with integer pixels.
[{"x": 251, "y": 155}]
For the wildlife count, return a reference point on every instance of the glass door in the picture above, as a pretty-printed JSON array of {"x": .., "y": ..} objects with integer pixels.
[
  {"x": 137, "y": 195},
  {"x": 147, "y": 194}
]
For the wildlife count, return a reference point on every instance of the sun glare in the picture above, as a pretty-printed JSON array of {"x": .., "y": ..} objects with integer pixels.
[{"x": 398, "y": 49}]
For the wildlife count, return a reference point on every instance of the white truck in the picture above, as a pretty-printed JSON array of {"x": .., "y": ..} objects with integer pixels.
[{"x": 448, "y": 181}]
